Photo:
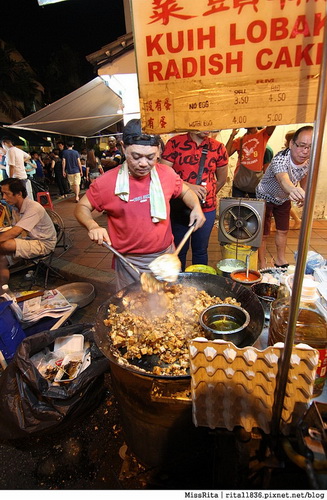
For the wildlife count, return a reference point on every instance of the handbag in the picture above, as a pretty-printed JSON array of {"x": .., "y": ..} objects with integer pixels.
[
  {"x": 179, "y": 212},
  {"x": 245, "y": 179}
]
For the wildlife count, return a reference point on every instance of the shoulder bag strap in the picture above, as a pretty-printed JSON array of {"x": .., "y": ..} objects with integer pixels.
[
  {"x": 201, "y": 164},
  {"x": 241, "y": 149}
]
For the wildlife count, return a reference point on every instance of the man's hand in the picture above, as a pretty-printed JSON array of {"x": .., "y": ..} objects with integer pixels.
[
  {"x": 198, "y": 217},
  {"x": 99, "y": 235},
  {"x": 297, "y": 194},
  {"x": 191, "y": 200},
  {"x": 200, "y": 191},
  {"x": 83, "y": 213}
]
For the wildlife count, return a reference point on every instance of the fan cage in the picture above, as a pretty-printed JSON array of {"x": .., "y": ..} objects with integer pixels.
[{"x": 246, "y": 226}]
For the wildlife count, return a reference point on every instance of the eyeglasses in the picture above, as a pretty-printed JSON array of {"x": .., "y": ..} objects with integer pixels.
[{"x": 302, "y": 146}]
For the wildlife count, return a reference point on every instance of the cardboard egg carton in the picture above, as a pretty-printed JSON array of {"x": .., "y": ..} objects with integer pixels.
[{"x": 233, "y": 386}]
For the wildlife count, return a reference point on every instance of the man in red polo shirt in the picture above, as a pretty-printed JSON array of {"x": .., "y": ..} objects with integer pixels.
[{"x": 183, "y": 153}]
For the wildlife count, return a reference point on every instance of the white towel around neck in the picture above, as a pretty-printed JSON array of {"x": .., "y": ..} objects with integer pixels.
[{"x": 158, "y": 209}]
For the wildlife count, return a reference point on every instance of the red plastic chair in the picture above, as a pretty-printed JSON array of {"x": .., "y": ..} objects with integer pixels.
[{"x": 44, "y": 198}]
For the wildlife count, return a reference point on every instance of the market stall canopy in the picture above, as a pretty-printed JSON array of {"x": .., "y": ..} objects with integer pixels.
[
  {"x": 82, "y": 113},
  {"x": 5, "y": 132},
  {"x": 19, "y": 136}
]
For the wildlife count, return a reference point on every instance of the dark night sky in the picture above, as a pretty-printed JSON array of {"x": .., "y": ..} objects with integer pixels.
[{"x": 84, "y": 25}]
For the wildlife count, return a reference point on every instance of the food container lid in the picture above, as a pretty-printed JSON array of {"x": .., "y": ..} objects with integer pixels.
[{"x": 71, "y": 343}]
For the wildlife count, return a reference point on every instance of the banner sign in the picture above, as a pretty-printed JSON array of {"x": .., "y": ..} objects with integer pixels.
[{"x": 218, "y": 64}]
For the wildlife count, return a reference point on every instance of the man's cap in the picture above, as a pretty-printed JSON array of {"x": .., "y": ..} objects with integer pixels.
[{"x": 132, "y": 134}]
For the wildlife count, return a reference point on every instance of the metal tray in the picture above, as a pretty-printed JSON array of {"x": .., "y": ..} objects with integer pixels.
[{"x": 80, "y": 293}]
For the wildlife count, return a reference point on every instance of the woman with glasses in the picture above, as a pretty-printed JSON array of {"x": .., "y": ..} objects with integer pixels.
[{"x": 283, "y": 182}]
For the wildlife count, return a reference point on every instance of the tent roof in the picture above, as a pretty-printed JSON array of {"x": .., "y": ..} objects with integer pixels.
[
  {"x": 82, "y": 113},
  {"x": 33, "y": 138},
  {"x": 5, "y": 132}
]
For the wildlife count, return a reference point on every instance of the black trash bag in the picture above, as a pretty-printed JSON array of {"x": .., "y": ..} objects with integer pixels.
[{"x": 29, "y": 404}]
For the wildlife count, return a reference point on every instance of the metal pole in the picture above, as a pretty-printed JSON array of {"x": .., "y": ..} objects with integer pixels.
[{"x": 305, "y": 234}]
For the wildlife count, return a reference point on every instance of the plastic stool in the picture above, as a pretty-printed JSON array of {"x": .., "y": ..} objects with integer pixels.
[{"x": 44, "y": 196}]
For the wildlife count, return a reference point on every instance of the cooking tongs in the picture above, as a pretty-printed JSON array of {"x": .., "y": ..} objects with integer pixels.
[{"x": 120, "y": 256}]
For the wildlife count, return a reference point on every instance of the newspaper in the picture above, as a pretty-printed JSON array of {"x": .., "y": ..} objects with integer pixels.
[{"x": 52, "y": 303}]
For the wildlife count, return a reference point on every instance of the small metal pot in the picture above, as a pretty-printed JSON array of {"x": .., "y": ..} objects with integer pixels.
[
  {"x": 240, "y": 277},
  {"x": 226, "y": 266},
  {"x": 228, "y": 315},
  {"x": 267, "y": 293}
]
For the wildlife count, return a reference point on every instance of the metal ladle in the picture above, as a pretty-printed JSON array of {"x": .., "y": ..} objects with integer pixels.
[
  {"x": 120, "y": 256},
  {"x": 247, "y": 264},
  {"x": 148, "y": 282}
]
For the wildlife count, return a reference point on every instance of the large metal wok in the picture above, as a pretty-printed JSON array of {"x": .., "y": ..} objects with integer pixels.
[
  {"x": 156, "y": 410},
  {"x": 214, "y": 285}
]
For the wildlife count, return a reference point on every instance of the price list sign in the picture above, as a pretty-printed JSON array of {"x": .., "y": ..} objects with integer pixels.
[{"x": 218, "y": 64}]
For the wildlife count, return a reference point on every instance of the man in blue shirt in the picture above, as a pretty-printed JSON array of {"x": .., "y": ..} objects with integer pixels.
[{"x": 72, "y": 168}]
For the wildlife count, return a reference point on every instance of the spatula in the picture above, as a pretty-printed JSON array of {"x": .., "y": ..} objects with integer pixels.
[{"x": 166, "y": 267}]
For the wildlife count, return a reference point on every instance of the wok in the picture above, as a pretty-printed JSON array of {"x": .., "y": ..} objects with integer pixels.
[{"x": 213, "y": 285}]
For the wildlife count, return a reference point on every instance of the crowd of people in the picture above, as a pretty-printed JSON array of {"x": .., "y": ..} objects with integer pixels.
[
  {"x": 70, "y": 169},
  {"x": 152, "y": 192},
  {"x": 32, "y": 233}
]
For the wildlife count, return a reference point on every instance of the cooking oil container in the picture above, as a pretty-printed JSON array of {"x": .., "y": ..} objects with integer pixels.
[
  {"x": 311, "y": 327},
  {"x": 233, "y": 251}
]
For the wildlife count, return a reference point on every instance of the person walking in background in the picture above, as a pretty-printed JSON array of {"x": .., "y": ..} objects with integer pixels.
[
  {"x": 93, "y": 166},
  {"x": 15, "y": 164},
  {"x": 72, "y": 168},
  {"x": 3, "y": 174},
  {"x": 61, "y": 147},
  {"x": 15, "y": 158},
  {"x": 39, "y": 174},
  {"x": 83, "y": 184},
  {"x": 83, "y": 154},
  {"x": 279, "y": 186},
  {"x": 56, "y": 167},
  {"x": 188, "y": 154},
  {"x": 111, "y": 157},
  {"x": 30, "y": 168},
  {"x": 251, "y": 148}
]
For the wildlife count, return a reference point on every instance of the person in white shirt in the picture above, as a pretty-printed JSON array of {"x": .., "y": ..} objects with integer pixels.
[{"x": 15, "y": 159}]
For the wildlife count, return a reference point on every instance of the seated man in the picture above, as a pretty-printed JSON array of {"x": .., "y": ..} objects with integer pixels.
[{"x": 41, "y": 236}]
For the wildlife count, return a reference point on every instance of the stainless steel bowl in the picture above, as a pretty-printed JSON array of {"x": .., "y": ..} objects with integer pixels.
[
  {"x": 226, "y": 266},
  {"x": 228, "y": 315},
  {"x": 267, "y": 293},
  {"x": 80, "y": 293}
]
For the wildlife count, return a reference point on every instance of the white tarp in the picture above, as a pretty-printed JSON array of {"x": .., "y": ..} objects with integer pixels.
[{"x": 82, "y": 113}]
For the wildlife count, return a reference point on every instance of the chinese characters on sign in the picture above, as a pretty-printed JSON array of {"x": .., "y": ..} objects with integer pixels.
[{"x": 216, "y": 64}]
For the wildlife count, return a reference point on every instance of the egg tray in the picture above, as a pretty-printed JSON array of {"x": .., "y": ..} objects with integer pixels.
[{"x": 233, "y": 386}]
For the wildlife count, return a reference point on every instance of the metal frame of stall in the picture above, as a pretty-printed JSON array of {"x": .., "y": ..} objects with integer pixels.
[
  {"x": 305, "y": 233},
  {"x": 304, "y": 237}
]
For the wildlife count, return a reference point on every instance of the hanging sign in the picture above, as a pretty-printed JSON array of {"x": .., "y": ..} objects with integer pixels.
[{"x": 218, "y": 64}]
